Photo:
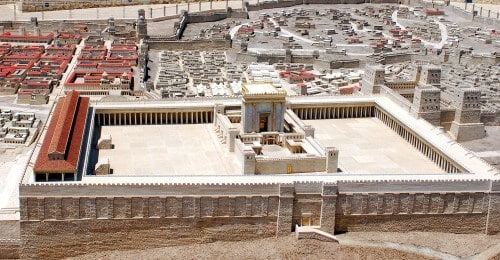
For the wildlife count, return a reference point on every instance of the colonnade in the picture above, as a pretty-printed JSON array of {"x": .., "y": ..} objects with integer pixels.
[
  {"x": 426, "y": 149},
  {"x": 96, "y": 92},
  {"x": 153, "y": 118},
  {"x": 308, "y": 113}
]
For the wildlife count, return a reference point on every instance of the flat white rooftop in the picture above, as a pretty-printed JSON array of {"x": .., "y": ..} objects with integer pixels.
[
  {"x": 153, "y": 150},
  {"x": 368, "y": 146},
  {"x": 260, "y": 88}
]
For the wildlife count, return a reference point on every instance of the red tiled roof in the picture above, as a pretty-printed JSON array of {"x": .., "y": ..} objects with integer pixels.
[
  {"x": 75, "y": 128},
  {"x": 63, "y": 130}
]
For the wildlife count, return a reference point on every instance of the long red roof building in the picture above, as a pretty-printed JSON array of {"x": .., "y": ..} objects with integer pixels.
[{"x": 58, "y": 157}]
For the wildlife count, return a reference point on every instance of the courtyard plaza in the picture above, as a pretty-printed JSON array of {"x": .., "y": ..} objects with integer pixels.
[
  {"x": 368, "y": 146},
  {"x": 168, "y": 150}
]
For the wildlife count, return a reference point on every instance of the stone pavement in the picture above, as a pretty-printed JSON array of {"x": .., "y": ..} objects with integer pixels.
[
  {"x": 368, "y": 146},
  {"x": 168, "y": 150}
]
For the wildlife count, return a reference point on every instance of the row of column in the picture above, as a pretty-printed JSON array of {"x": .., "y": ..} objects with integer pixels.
[
  {"x": 422, "y": 146},
  {"x": 102, "y": 92},
  {"x": 91, "y": 92},
  {"x": 154, "y": 118},
  {"x": 308, "y": 113},
  {"x": 46, "y": 177}
]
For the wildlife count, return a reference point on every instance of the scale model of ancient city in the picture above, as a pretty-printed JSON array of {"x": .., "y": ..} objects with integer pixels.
[{"x": 237, "y": 120}]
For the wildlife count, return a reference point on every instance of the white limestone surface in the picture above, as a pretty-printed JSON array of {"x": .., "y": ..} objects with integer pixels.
[
  {"x": 368, "y": 146},
  {"x": 149, "y": 150}
]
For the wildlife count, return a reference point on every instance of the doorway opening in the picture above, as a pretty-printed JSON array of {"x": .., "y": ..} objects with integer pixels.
[{"x": 263, "y": 123}]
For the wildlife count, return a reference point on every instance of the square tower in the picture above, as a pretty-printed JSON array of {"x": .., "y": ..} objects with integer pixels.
[
  {"x": 467, "y": 123},
  {"x": 263, "y": 108},
  {"x": 430, "y": 75},
  {"x": 468, "y": 105},
  {"x": 142, "y": 25},
  {"x": 373, "y": 78},
  {"x": 427, "y": 104}
]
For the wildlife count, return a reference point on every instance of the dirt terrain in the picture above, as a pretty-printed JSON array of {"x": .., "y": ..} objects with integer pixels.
[{"x": 289, "y": 247}]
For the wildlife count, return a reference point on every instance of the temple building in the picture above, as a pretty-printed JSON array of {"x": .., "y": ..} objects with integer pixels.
[{"x": 263, "y": 108}]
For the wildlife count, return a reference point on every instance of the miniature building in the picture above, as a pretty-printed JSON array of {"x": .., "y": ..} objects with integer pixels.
[
  {"x": 433, "y": 12},
  {"x": 427, "y": 104},
  {"x": 373, "y": 79},
  {"x": 430, "y": 76},
  {"x": 466, "y": 125},
  {"x": 105, "y": 142},
  {"x": 111, "y": 26},
  {"x": 259, "y": 165},
  {"x": 142, "y": 28},
  {"x": 263, "y": 108},
  {"x": 60, "y": 153}
]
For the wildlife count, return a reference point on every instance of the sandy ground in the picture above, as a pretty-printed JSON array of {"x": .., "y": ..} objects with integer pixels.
[
  {"x": 291, "y": 248},
  {"x": 455, "y": 244},
  {"x": 268, "y": 248}
]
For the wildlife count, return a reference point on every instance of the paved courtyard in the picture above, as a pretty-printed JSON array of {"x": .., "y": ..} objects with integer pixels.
[
  {"x": 368, "y": 146},
  {"x": 168, "y": 150}
]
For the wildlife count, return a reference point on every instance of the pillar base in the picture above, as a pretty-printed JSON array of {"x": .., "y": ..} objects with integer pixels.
[{"x": 467, "y": 132}]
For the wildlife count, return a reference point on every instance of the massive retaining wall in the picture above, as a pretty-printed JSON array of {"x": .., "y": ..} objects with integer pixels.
[
  {"x": 404, "y": 206},
  {"x": 59, "y": 220},
  {"x": 9, "y": 248},
  {"x": 104, "y": 217}
]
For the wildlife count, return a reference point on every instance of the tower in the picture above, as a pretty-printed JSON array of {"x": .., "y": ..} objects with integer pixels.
[
  {"x": 332, "y": 159},
  {"x": 467, "y": 125},
  {"x": 373, "y": 79},
  {"x": 111, "y": 26},
  {"x": 288, "y": 55},
  {"x": 430, "y": 75},
  {"x": 142, "y": 25},
  {"x": 427, "y": 104},
  {"x": 418, "y": 72}
]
